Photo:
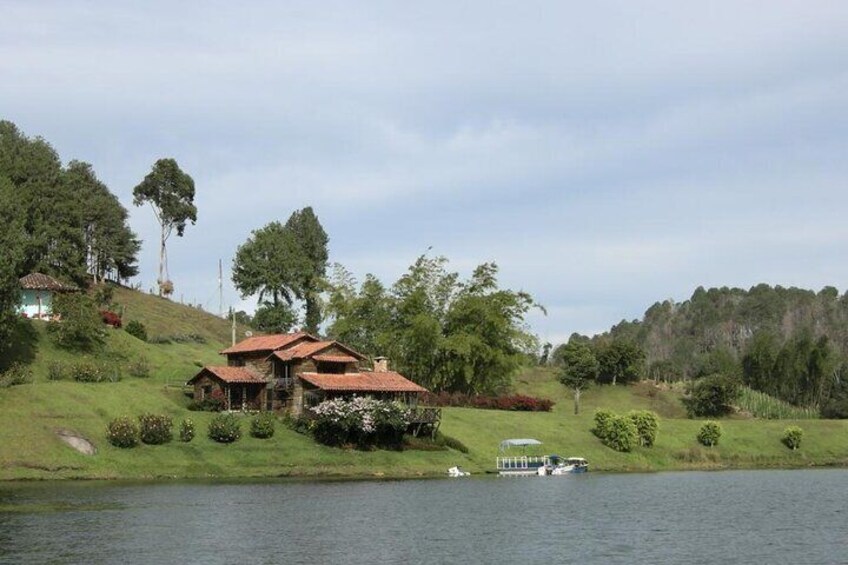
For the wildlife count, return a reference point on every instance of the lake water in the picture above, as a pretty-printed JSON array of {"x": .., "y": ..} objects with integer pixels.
[{"x": 723, "y": 517}]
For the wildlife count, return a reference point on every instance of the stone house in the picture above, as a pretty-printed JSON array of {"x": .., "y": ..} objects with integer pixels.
[{"x": 295, "y": 371}]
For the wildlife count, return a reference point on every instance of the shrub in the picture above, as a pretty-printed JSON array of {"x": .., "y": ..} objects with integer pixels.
[
  {"x": 621, "y": 434},
  {"x": 122, "y": 432},
  {"x": 136, "y": 329},
  {"x": 792, "y": 437},
  {"x": 517, "y": 402},
  {"x": 647, "y": 425},
  {"x": 88, "y": 372},
  {"x": 262, "y": 426},
  {"x": 364, "y": 422},
  {"x": 214, "y": 402},
  {"x": 56, "y": 371},
  {"x": 155, "y": 429},
  {"x": 224, "y": 428},
  {"x": 712, "y": 396},
  {"x": 17, "y": 374},
  {"x": 81, "y": 328},
  {"x": 140, "y": 368},
  {"x": 186, "y": 430},
  {"x": 709, "y": 434},
  {"x": 603, "y": 418},
  {"x": 111, "y": 319},
  {"x": 451, "y": 442}
]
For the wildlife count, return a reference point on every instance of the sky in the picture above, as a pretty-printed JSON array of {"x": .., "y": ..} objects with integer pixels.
[{"x": 606, "y": 155}]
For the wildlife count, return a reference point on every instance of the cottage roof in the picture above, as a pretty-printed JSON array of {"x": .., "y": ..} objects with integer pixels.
[
  {"x": 40, "y": 281},
  {"x": 229, "y": 375},
  {"x": 335, "y": 358},
  {"x": 310, "y": 349},
  {"x": 388, "y": 381},
  {"x": 267, "y": 342}
]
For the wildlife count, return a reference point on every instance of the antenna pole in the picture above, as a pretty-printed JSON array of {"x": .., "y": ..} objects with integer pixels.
[
  {"x": 234, "y": 326},
  {"x": 220, "y": 288}
]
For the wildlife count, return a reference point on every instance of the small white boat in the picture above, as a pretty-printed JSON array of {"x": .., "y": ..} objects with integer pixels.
[{"x": 457, "y": 472}]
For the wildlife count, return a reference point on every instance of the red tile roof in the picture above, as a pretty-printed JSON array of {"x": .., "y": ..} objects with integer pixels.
[
  {"x": 267, "y": 342},
  {"x": 335, "y": 358},
  {"x": 304, "y": 350},
  {"x": 230, "y": 375},
  {"x": 362, "y": 382},
  {"x": 39, "y": 281}
]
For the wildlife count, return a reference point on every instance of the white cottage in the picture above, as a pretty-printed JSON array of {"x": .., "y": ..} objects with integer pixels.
[{"x": 37, "y": 292}]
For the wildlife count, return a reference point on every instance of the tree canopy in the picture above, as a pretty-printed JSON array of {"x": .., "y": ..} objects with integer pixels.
[
  {"x": 443, "y": 333},
  {"x": 170, "y": 193},
  {"x": 282, "y": 263}
]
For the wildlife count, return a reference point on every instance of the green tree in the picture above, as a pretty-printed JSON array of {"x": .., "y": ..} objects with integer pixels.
[
  {"x": 620, "y": 361},
  {"x": 271, "y": 264},
  {"x": 110, "y": 246},
  {"x": 12, "y": 242},
  {"x": 81, "y": 328},
  {"x": 578, "y": 368},
  {"x": 714, "y": 395},
  {"x": 170, "y": 193},
  {"x": 311, "y": 240},
  {"x": 274, "y": 319}
]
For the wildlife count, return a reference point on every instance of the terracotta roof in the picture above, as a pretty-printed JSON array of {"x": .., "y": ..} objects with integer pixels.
[
  {"x": 39, "y": 281},
  {"x": 335, "y": 358},
  {"x": 267, "y": 342},
  {"x": 362, "y": 382},
  {"x": 230, "y": 375},
  {"x": 304, "y": 350}
]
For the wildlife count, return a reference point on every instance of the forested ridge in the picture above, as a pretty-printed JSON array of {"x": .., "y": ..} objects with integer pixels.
[{"x": 788, "y": 342}]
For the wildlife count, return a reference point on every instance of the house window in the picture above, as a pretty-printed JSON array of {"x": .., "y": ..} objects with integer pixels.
[
  {"x": 205, "y": 391},
  {"x": 236, "y": 362}
]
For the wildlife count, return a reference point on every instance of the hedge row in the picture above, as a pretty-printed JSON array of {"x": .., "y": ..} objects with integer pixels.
[{"x": 516, "y": 402}]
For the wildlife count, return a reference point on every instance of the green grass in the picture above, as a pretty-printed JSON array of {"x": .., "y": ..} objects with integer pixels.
[{"x": 31, "y": 414}]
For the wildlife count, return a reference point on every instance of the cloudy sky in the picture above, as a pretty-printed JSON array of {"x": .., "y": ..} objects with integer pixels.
[{"x": 605, "y": 154}]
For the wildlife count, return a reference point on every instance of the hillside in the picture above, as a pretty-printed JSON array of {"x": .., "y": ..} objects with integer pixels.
[{"x": 31, "y": 414}]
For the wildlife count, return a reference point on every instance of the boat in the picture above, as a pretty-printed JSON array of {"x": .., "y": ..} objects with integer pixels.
[
  {"x": 457, "y": 472},
  {"x": 535, "y": 465}
]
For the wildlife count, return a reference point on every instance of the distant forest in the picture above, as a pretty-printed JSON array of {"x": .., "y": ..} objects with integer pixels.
[{"x": 787, "y": 342}]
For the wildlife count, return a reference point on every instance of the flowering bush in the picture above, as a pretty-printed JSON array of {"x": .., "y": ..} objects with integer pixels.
[
  {"x": 186, "y": 430},
  {"x": 122, "y": 432},
  {"x": 88, "y": 371},
  {"x": 224, "y": 428},
  {"x": 155, "y": 429},
  {"x": 361, "y": 421},
  {"x": 262, "y": 426},
  {"x": 517, "y": 402},
  {"x": 111, "y": 319},
  {"x": 214, "y": 402}
]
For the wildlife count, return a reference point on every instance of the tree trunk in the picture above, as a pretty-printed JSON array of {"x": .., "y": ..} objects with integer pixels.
[
  {"x": 576, "y": 401},
  {"x": 161, "y": 260}
]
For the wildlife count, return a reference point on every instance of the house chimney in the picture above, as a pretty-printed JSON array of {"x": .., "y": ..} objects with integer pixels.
[{"x": 381, "y": 364}]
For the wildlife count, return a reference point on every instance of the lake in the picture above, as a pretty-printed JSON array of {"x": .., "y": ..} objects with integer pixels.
[{"x": 692, "y": 517}]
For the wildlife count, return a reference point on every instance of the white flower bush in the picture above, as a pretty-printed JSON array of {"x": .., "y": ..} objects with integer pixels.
[{"x": 361, "y": 421}]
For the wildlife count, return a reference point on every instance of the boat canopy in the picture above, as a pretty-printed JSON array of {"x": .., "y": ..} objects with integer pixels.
[{"x": 507, "y": 443}]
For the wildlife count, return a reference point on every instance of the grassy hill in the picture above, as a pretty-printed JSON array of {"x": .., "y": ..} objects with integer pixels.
[{"x": 30, "y": 416}]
